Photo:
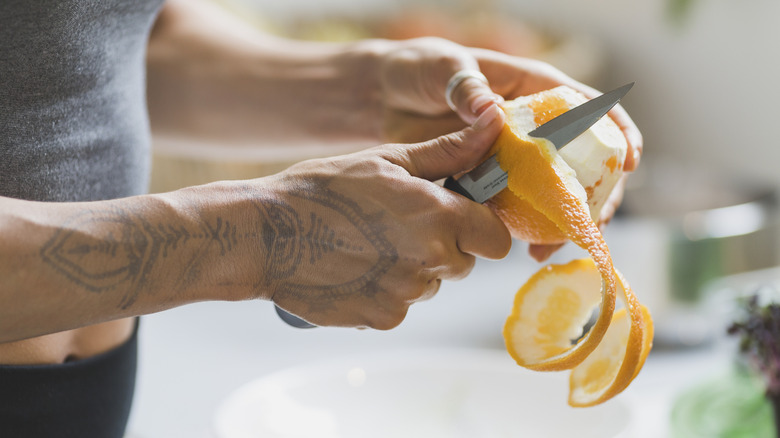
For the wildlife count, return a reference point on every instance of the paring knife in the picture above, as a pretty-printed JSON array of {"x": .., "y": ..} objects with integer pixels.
[{"x": 486, "y": 180}]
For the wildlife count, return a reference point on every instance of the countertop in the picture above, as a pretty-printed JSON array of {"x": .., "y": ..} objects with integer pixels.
[{"x": 193, "y": 357}]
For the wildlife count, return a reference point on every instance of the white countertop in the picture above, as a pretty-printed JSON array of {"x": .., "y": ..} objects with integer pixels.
[{"x": 192, "y": 358}]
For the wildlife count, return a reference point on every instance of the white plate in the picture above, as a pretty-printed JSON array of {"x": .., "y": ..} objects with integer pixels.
[{"x": 409, "y": 394}]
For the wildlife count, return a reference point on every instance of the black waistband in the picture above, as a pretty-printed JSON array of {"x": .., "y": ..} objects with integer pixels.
[{"x": 84, "y": 398}]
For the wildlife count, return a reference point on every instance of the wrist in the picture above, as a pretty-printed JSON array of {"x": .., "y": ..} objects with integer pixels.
[
  {"x": 222, "y": 254},
  {"x": 329, "y": 91},
  {"x": 361, "y": 75}
]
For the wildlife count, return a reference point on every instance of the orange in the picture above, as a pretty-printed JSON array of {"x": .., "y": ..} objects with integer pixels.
[
  {"x": 545, "y": 203},
  {"x": 549, "y": 314},
  {"x": 587, "y": 166},
  {"x": 614, "y": 364}
]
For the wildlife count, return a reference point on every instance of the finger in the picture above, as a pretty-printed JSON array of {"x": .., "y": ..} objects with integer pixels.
[
  {"x": 471, "y": 97},
  {"x": 431, "y": 289},
  {"x": 447, "y": 261},
  {"x": 541, "y": 253},
  {"x": 480, "y": 232},
  {"x": 422, "y": 288},
  {"x": 635, "y": 143},
  {"x": 385, "y": 317},
  {"x": 452, "y": 153}
]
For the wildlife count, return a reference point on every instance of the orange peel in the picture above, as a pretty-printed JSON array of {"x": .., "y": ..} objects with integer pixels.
[{"x": 546, "y": 203}]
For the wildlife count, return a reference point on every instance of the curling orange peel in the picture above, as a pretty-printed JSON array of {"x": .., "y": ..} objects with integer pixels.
[{"x": 545, "y": 203}]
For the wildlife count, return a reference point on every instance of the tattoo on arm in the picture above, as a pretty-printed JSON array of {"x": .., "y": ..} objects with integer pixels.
[
  {"x": 128, "y": 251},
  {"x": 291, "y": 236},
  {"x": 287, "y": 238}
]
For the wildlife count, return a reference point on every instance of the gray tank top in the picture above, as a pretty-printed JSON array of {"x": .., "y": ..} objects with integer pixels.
[
  {"x": 73, "y": 127},
  {"x": 73, "y": 123}
]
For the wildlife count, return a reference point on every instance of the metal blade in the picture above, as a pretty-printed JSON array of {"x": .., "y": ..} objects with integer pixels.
[
  {"x": 487, "y": 179},
  {"x": 482, "y": 183},
  {"x": 569, "y": 125},
  {"x": 292, "y": 320}
]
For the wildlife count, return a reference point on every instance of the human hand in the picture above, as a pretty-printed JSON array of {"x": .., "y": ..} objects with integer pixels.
[
  {"x": 414, "y": 77},
  {"x": 354, "y": 240},
  {"x": 511, "y": 77}
]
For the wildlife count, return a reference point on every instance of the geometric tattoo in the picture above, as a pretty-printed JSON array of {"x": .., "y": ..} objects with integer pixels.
[
  {"x": 287, "y": 239},
  {"x": 127, "y": 253},
  {"x": 132, "y": 247}
]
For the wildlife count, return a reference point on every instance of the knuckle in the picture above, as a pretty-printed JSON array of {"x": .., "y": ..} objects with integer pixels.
[
  {"x": 431, "y": 289},
  {"x": 453, "y": 211},
  {"x": 452, "y": 144},
  {"x": 465, "y": 267},
  {"x": 426, "y": 41},
  {"x": 389, "y": 320},
  {"x": 406, "y": 291},
  {"x": 436, "y": 254}
]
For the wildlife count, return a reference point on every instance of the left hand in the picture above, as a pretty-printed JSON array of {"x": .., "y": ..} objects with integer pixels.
[{"x": 414, "y": 76}]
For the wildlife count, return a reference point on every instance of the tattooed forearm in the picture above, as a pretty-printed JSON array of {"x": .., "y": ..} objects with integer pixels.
[
  {"x": 127, "y": 249},
  {"x": 292, "y": 245},
  {"x": 281, "y": 231}
]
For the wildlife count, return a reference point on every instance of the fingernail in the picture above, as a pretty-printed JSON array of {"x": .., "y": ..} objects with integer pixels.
[
  {"x": 486, "y": 118},
  {"x": 482, "y": 102},
  {"x": 637, "y": 157}
]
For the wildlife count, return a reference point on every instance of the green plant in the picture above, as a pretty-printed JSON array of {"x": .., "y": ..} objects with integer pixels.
[{"x": 759, "y": 333}]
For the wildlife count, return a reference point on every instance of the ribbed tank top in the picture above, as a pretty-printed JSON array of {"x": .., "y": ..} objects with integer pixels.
[
  {"x": 73, "y": 127},
  {"x": 73, "y": 121}
]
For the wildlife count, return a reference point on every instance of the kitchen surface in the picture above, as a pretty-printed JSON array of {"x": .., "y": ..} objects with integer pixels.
[
  {"x": 699, "y": 228},
  {"x": 194, "y": 358}
]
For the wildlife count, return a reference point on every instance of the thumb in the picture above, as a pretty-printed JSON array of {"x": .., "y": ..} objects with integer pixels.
[{"x": 452, "y": 153}]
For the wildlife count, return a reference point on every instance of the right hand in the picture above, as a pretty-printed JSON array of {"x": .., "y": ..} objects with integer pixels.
[
  {"x": 347, "y": 241},
  {"x": 354, "y": 240}
]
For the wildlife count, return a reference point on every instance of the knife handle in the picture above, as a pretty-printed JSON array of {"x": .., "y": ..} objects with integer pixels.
[
  {"x": 452, "y": 184},
  {"x": 291, "y": 319}
]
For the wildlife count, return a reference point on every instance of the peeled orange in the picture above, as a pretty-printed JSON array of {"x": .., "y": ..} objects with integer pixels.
[
  {"x": 552, "y": 197},
  {"x": 588, "y": 167}
]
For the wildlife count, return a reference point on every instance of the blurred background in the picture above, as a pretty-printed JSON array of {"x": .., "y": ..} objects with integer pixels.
[
  {"x": 705, "y": 70},
  {"x": 699, "y": 224}
]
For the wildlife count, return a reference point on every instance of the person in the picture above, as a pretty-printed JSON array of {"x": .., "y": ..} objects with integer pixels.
[{"x": 350, "y": 240}]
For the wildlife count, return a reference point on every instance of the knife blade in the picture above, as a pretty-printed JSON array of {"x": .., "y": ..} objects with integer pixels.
[
  {"x": 291, "y": 319},
  {"x": 487, "y": 179}
]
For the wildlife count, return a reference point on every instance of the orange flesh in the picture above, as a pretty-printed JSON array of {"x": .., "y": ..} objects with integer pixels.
[
  {"x": 566, "y": 303},
  {"x": 591, "y": 189},
  {"x": 612, "y": 163},
  {"x": 534, "y": 182},
  {"x": 546, "y": 108},
  {"x": 550, "y": 315}
]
